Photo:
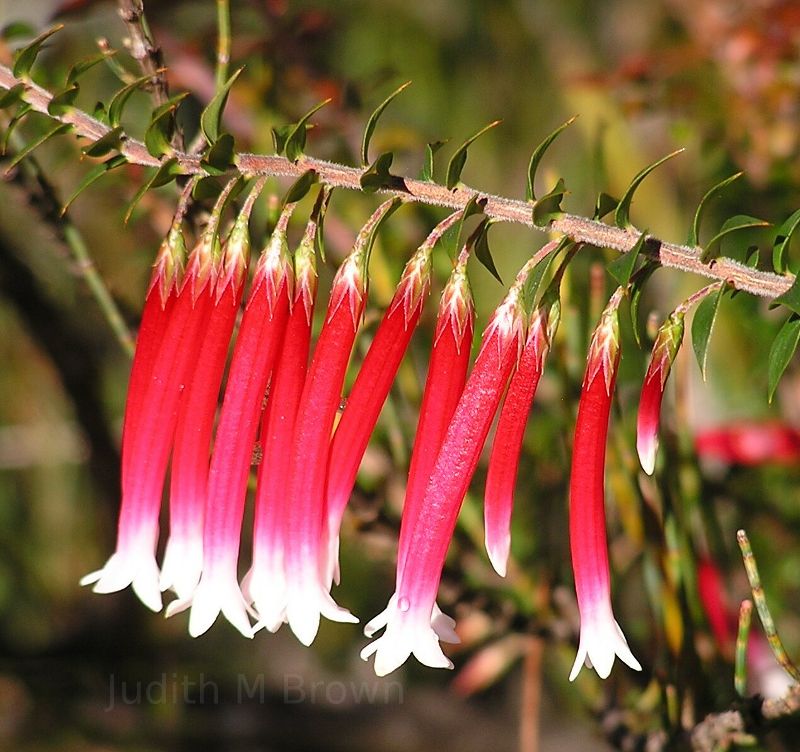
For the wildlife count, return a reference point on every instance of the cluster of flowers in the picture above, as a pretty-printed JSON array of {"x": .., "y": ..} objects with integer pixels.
[{"x": 309, "y": 461}]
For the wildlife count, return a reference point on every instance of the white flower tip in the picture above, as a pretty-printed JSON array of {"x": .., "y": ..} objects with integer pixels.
[
  {"x": 210, "y": 599},
  {"x": 376, "y": 625},
  {"x": 498, "y": 547},
  {"x": 303, "y": 618},
  {"x": 646, "y": 449},
  {"x": 178, "y": 606},
  {"x": 181, "y": 568},
  {"x": 267, "y": 592},
  {"x": 600, "y": 643},
  {"x": 444, "y": 626},
  {"x": 140, "y": 571}
]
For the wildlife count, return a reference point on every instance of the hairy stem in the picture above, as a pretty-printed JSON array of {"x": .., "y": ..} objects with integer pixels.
[{"x": 580, "y": 229}]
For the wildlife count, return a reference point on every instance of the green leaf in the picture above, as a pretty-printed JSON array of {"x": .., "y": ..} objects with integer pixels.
[
  {"x": 534, "y": 280},
  {"x": 622, "y": 267},
  {"x": 12, "y": 96},
  {"x": 64, "y": 101},
  {"x": 211, "y": 117},
  {"x": 77, "y": 70},
  {"x": 120, "y": 99},
  {"x": 459, "y": 159},
  {"x": 548, "y": 207},
  {"x": 158, "y": 136},
  {"x": 301, "y": 187},
  {"x": 780, "y": 246},
  {"x": 26, "y": 57},
  {"x": 17, "y": 30},
  {"x": 111, "y": 141},
  {"x": 296, "y": 139},
  {"x": 451, "y": 239},
  {"x": 279, "y": 135},
  {"x": 482, "y": 251},
  {"x": 739, "y": 222},
  {"x": 624, "y": 207},
  {"x": 430, "y": 153},
  {"x": 219, "y": 156},
  {"x": 373, "y": 121},
  {"x": 167, "y": 172},
  {"x": 781, "y": 352},
  {"x": 790, "y": 299},
  {"x": 18, "y": 117},
  {"x": 93, "y": 176},
  {"x": 537, "y": 155},
  {"x": 206, "y": 189},
  {"x": 605, "y": 204},
  {"x": 703, "y": 325},
  {"x": 694, "y": 233},
  {"x": 36, "y": 143},
  {"x": 377, "y": 176},
  {"x": 635, "y": 295}
]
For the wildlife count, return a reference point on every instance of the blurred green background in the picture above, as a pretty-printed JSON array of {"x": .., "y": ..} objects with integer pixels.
[{"x": 720, "y": 79}]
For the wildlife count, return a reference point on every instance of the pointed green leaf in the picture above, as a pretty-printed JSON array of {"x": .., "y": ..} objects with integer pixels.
[
  {"x": 25, "y": 57},
  {"x": 605, "y": 204},
  {"x": 111, "y": 141},
  {"x": 451, "y": 238},
  {"x": 377, "y": 176},
  {"x": 694, "y": 234},
  {"x": 93, "y": 176},
  {"x": 18, "y": 117},
  {"x": 158, "y": 136},
  {"x": 321, "y": 207},
  {"x": 459, "y": 159},
  {"x": 781, "y": 352},
  {"x": 703, "y": 325},
  {"x": 621, "y": 267},
  {"x": 635, "y": 294},
  {"x": 296, "y": 140},
  {"x": 624, "y": 207},
  {"x": 211, "y": 117},
  {"x": 207, "y": 188},
  {"x": 279, "y": 135},
  {"x": 120, "y": 99},
  {"x": 301, "y": 187},
  {"x": 537, "y": 155},
  {"x": 739, "y": 222},
  {"x": 12, "y": 96},
  {"x": 64, "y": 101},
  {"x": 17, "y": 30},
  {"x": 548, "y": 207},
  {"x": 430, "y": 153},
  {"x": 167, "y": 172},
  {"x": 373, "y": 121},
  {"x": 534, "y": 280},
  {"x": 790, "y": 299},
  {"x": 36, "y": 143},
  {"x": 219, "y": 156},
  {"x": 77, "y": 70},
  {"x": 483, "y": 252},
  {"x": 780, "y": 246}
]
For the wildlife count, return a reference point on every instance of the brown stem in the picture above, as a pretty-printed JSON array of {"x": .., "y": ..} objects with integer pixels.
[
  {"x": 143, "y": 47},
  {"x": 580, "y": 229}
]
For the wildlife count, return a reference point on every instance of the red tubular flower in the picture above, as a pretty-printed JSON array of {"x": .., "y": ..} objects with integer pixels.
[
  {"x": 183, "y": 557},
  {"x": 265, "y": 583},
  {"x": 254, "y": 355},
  {"x": 134, "y": 559},
  {"x": 665, "y": 348},
  {"x": 413, "y": 624},
  {"x": 601, "y": 639},
  {"x": 308, "y": 590},
  {"x": 372, "y": 385},
  {"x": 507, "y": 444}
]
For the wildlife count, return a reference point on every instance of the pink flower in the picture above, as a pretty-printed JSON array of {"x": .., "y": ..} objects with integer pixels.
[{"x": 601, "y": 639}]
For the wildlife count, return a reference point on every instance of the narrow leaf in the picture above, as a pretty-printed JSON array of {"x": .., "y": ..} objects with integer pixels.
[
  {"x": 780, "y": 246},
  {"x": 622, "y": 267},
  {"x": 548, "y": 207},
  {"x": 430, "y": 153},
  {"x": 211, "y": 117},
  {"x": 120, "y": 99},
  {"x": 279, "y": 135},
  {"x": 77, "y": 70},
  {"x": 17, "y": 30},
  {"x": 207, "y": 188},
  {"x": 111, "y": 141},
  {"x": 64, "y": 101},
  {"x": 703, "y": 325},
  {"x": 92, "y": 176},
  {"x": 604, "y": 205},
  {"x": 24, "y": 109},
  {"x": 790, "y": 299},
  {"x": 635, "y": 295},
  {"x": 36, "y": 143},
  {"x": 219, "y": 156},
  {"x": 168, "y": 171},
  {"x": 694, "y": 234},
  {"x": 158, "y": 136},
  {"x": 537, "y": 155},
  {"x": 459, "y": 159},
  {"x": 25, "y": 57},
  {"x": 781, "y": 352},
  {"x": 301, "y": 187},
  {"x": 373, "y": 121},
  {"x": 377, "y": 176},
  {"x": 451, "y": 239},
  {"x": 296, "y": 140},
  {"x": 624, "y": 207},
  {"x": 739, "y": 222},
  {"x": 483, "y": 252},
  {"x": 12, "y": 96}
]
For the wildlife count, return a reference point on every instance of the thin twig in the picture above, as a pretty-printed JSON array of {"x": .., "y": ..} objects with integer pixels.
[
  {"x": 223, "y": 42},
  {"x": 143, "y": 47},
  {"x": 742, "y": 635},
  {"x": 761, "y": 605},
  {"x": 580, "y": 229}
]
